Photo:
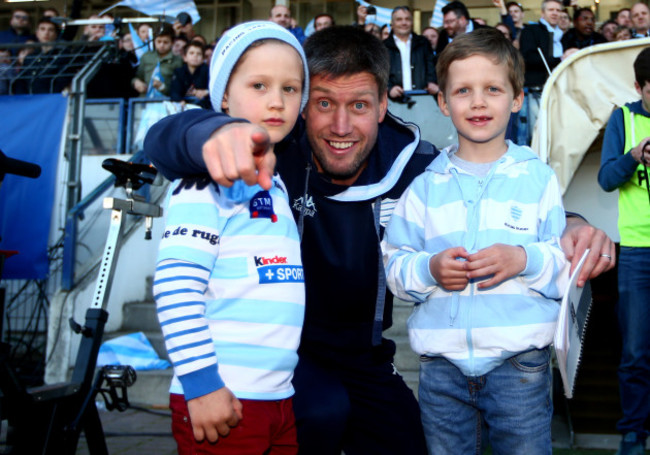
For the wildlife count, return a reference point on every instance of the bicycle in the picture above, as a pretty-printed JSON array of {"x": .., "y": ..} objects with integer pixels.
[{"x": 49, "y": 419}]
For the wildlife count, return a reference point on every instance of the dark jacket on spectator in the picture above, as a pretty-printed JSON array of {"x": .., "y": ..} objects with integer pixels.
[
  {"x": 571, "y": 39},
  {"x": 113, "y": 79},
  {"x": 443, "y": 39},
  {"x": 514, "y": 30},
  {"x": 422, "y": 69},
  {"x": 43, "y": 72},
  {"x": 11, "y": 37},
  {"x": 183, "y": 80},
  {"x": 535, "y": 36}
]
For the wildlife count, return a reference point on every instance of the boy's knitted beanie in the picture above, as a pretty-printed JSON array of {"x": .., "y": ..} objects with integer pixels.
[{"x": 234, "y": 43}]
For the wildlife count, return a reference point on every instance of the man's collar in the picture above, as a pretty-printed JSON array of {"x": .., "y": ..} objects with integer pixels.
[
  {"x": 470, "y": 26},
  {"x": 397, "y": 39},
  {"x": 547, "y": 25}
]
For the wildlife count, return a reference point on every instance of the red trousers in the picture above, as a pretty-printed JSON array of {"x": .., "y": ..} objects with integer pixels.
[{"x": 267, "y": 428}]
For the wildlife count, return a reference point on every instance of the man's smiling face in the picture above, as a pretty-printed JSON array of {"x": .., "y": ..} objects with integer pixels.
[{"x": 342, "y": 119}]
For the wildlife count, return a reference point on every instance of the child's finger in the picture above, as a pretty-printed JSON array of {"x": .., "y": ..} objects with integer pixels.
[
  {"x": 261, "y": 141},
  {"x": 494, "y": 280},
  {"x": 264, "y": 158},
  {"x": 199, "y": 434},
  {"x": 481, "y": 272},
  {"x": 238, "y": 407}
]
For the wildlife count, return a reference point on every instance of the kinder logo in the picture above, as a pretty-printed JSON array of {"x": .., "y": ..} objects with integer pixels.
[{"x": 262, "y": 261}]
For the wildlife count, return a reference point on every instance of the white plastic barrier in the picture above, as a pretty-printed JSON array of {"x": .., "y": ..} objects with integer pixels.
[{"x": 423, "y": 110}]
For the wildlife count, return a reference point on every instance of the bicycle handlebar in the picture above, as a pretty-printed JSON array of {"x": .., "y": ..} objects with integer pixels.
[{"x": 18, "y": 167}]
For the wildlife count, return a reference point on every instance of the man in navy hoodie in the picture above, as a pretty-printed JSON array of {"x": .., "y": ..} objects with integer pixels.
[{"x": 345, "y": 167}]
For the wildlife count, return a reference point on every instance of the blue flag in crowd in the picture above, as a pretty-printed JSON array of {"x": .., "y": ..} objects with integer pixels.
[
  {"x": 436, "y": 18},
  {"x": 153, "y": 92},
  {"x": 139, "y": 46},
  {"x": 161, "y": 7},
  {"x": 382, "y": 17}
]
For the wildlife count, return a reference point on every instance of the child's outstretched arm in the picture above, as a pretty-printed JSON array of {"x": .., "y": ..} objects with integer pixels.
[{"x": 202, "y": 141}]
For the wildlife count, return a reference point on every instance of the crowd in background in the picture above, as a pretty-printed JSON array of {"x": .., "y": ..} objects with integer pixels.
[
  {"x": 172, "y": 60},
  {"x": 147, "y": 60}
]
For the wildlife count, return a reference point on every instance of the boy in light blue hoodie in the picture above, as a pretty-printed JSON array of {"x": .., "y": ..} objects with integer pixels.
[{"x": 474, "y": 243}]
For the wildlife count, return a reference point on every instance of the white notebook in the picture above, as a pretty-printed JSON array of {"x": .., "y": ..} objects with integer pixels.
[{"x": 571, "y": 327}]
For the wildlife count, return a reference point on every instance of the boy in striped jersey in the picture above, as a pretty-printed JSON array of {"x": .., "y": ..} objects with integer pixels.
[
  {"x": 474, "y": 242},
  {"x": 229, "y": 283}
]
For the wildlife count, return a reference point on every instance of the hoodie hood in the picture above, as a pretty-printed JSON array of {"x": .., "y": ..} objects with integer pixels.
[
  {"x": 637, "y": 108},
  {"x": 514, "y": 154}
]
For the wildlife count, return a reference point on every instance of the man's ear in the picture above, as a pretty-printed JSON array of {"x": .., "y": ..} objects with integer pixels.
[
  {"x": 383, "y": 107},
  {"x": 224, "y": 103},
  {"x": 638, "y": 88},
  {"x": 518, "y": 102},
  {"x": 442, "y": 103}
]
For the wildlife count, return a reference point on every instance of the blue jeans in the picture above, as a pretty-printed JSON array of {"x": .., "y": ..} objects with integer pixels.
[
  {"x": 512, "y": 402},
  {"x": 528, "y": 117},
  {"x": 634, "y": 322}
]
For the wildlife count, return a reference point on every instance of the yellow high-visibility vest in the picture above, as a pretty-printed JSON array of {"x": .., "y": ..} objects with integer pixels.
[{"x": 633, "y": 203}]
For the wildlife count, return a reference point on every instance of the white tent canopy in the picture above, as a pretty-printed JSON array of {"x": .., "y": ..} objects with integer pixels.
[{"x": 578, "y": 99}]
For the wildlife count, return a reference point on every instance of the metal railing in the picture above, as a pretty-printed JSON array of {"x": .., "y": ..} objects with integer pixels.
[
  {"x": 82, "y": 245},
  {"x": 33, "y": 68}
]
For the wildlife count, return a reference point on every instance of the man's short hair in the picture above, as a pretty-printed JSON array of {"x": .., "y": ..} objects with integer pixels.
[
  {"x": 52, "y": 9},
  {"x": 488, "y": 42},
  {"x": 607, "y": 22},
  {"x": 344, "y": 50},
  {"x": 544, "y": 2},
  {"x": 400, "y": 8},
  {"x": 164, "y": 30},
  {"x": 197, "y": 44},
  {"x": 318, "y": 16},
  {"x": 578, "y": 11},
  {"x": 457, "y": 7},
  {"x": 623, "y": 9},
  {"x": 22, "y": 10},
  {"x": 517, "y": 4},
  {"x": 642, "y": 67},
  {"x": 47, "y": 20},
  {"x": 276, "y": 6}
]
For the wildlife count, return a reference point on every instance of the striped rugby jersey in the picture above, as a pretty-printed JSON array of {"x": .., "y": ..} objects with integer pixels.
[{"x": 229, "y": 289}]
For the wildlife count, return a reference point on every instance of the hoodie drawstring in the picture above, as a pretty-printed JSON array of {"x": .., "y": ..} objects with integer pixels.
[{"x": 378, "y": 325}]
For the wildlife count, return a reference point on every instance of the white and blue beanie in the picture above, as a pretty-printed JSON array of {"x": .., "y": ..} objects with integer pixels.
[{"x": 234, "y": 43}]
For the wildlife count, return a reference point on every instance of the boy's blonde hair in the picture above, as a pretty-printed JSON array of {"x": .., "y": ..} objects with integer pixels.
[{"x": 488, "y": 42}]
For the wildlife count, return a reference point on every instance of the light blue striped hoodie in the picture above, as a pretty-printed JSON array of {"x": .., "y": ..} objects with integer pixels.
[
  {"x": 517, "y": 203},
  {"x": 229, "y": 289}
]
